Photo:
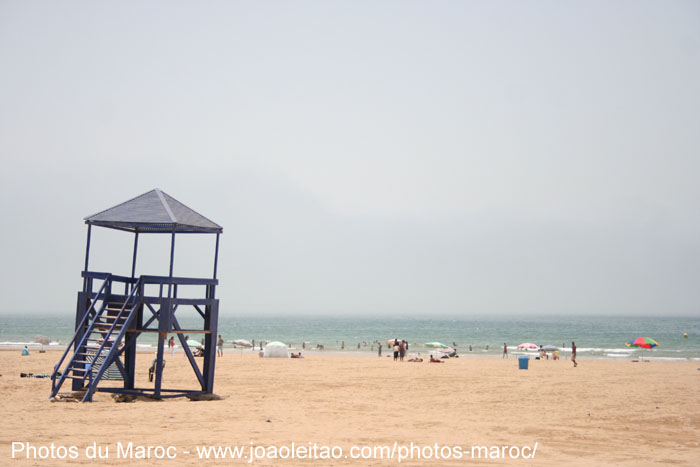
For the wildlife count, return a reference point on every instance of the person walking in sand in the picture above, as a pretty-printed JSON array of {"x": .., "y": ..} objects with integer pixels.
[
  {"x": 171, "y": 345},
  {"x": 573, "y": 353},
  {"x": 505, "y": 350},
  {"x": 220, "y": 347}
]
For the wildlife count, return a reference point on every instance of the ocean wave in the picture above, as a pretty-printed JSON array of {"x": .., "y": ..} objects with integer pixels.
[{"x": 602, "y": 350}]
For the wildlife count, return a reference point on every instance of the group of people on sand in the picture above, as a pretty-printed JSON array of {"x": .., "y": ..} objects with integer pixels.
[
  {"x": 400, "y": 349},
  {"x": 543, "y": 353}
]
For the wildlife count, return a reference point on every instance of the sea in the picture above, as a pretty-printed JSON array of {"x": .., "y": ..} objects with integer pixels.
[{"x": 596, "y": 337}]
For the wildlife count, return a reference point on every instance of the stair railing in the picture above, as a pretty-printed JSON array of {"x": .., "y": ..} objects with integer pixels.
[{"x": 57, "y": 367}]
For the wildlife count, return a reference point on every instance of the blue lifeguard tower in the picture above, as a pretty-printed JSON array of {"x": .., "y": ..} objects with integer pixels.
[{"x": 110, "y": 318}]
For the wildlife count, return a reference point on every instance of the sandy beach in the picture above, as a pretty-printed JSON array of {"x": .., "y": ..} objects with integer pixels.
[{"x": 603, "y": 412}]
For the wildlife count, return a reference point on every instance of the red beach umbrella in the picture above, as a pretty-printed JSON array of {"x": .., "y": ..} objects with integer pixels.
[{"x": 645, "y": 342}]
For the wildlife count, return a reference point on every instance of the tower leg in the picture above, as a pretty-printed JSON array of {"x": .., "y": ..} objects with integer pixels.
[
  {"x": 159, "y": 364},
  {"x": 211, "y": 321},
  {"x": 130, "y": 351},
  {"x": 82, "y": 307},
  {"x": 164, "y": 325}
]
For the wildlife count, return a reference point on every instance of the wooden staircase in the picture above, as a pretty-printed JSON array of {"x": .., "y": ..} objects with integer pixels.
[{"x": 100, "y": 334}]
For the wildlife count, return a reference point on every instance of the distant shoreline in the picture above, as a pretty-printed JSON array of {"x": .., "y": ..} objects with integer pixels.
[{"x": 35, "y": 348}]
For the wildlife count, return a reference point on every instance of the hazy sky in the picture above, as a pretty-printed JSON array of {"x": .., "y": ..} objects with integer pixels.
[{"x": 364, "y": 157}]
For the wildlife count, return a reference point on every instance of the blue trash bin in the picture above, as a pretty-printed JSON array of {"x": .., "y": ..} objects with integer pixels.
[{"x": 523, "y": 362}]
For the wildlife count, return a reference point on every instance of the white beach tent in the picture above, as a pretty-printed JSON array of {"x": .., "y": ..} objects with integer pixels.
[{"x": 276, "y": 350}]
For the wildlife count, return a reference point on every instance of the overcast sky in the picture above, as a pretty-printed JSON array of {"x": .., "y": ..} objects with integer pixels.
[{"x": 364, "y": 157}]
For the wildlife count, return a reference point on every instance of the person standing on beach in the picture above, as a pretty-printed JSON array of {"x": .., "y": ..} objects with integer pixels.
[
  {"x": 379, "y": 350},
  {"x": 573, "y": 353},
  {"x": 396, "y": 349},
  {"x": 402, "y": 350},
  {"x": 505, "y": 350},
  {"x": 171, "y": 344},
  {"x": 220, "y": 346}
]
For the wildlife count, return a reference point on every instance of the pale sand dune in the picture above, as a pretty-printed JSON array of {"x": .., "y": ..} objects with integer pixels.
[{"x": 603, "y": 412}]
